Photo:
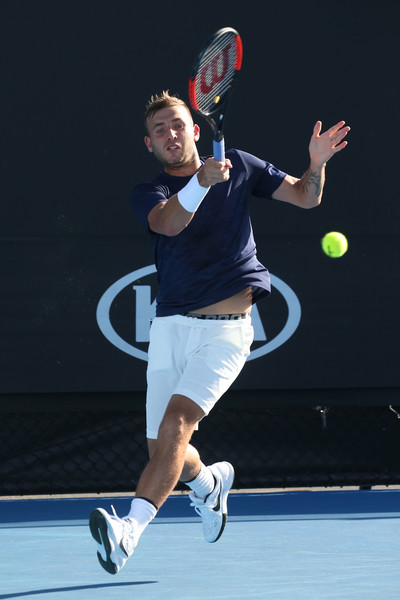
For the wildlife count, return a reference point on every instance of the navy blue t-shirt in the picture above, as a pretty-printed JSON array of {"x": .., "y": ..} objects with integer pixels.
[{"x": 214, "y": 257}]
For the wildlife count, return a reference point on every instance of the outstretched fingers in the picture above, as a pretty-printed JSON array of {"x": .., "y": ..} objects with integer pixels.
[
  {"x": 337, "y": 133},
  {"x": 324, "y": 145}
]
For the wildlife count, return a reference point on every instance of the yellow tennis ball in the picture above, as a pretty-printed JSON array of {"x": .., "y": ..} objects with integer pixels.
[
  {"x": 216, "y": 99},
  {"x": 334, "y": 244}
]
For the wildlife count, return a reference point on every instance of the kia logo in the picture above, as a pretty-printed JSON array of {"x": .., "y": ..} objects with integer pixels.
[{"x": 126, "y": 309}]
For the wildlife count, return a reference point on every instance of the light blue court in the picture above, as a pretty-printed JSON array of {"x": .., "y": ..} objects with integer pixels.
[{"x": 342, "y": 545}]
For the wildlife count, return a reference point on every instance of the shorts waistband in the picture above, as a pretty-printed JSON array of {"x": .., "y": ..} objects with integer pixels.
[{"x": 227, "y": 317}]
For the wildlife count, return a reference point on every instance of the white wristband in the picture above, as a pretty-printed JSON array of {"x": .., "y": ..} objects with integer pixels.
[{"x": 191, "y": 196}]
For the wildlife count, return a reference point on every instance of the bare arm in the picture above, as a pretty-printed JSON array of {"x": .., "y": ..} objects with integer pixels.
[
  {"x": 169, "y": 217},
  {"x": 306, "y": 192}
]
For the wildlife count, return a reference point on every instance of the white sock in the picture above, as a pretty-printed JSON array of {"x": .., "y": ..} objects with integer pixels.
[
  {"x": 203, "y": 484},
  {"x": 142, "y": 512}
]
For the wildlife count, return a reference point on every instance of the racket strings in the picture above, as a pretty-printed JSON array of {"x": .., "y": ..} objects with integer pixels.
[{"x": 216, "y": 73}]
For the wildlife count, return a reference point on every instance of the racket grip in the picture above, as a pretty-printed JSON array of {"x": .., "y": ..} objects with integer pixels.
[{"x": 219, "y": 150}]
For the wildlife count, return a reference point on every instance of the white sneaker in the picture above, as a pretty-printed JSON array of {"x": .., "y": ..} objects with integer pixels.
[
  {"x": 213, "y": 508},
  {"x": 115, "y": 539}
]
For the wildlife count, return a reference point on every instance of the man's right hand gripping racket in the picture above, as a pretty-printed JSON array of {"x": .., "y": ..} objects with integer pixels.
[{"x": 212, "y": 79}]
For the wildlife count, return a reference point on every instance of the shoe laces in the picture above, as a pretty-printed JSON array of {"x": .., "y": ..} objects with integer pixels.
[
  {"x": 115, "y": 514},
  {"x": 202, "y": 505},
  {"x": 127, "y": 538},
  {"x": 198, "y": 504}
]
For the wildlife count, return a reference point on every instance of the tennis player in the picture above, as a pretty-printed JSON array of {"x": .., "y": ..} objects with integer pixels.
[{"x": 196, "y": 212}]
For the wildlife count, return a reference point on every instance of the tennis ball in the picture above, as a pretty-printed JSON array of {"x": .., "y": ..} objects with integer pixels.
[
  {"x": 334, "y": 244},
  {"x": 216, "y": 99}
]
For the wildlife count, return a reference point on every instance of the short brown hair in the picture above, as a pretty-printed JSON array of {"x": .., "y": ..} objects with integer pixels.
[{"x": 163, "y": 100}]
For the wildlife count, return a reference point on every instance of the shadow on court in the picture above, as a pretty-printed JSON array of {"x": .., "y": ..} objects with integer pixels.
[{"x": 74, "y": 589}]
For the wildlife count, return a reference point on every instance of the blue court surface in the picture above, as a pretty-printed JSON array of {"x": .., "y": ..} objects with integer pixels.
[{"x": 289, "y": 545}]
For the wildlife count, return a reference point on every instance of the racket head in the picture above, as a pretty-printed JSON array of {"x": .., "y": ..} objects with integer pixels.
[{"x": 214, "y": 71}]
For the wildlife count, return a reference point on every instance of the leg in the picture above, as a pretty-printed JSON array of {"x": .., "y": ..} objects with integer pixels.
[
  {"x": 205, "y": 378},
  {"x": 117, "y": 538},
  {"x": 171, "y": 457},
  {"x": 214, "y": 482},
  {"x": 191, "y": 466}
]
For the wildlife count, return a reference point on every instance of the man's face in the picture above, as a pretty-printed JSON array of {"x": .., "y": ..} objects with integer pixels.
[{"x": 172, "y": 137}]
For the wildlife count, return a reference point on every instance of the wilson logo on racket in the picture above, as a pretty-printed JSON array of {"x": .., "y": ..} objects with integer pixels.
[
  {"x": 128, "y": 329},
  {"x": 214, "y": 72}
]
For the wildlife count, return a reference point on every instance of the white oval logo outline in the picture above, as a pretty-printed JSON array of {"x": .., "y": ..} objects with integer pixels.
[{"x": 105, "y": 325}]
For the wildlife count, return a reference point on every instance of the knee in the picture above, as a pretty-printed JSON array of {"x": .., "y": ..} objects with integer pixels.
[
  {"x": 180, "y": 418},
  {"x": 175, "y": 425}
]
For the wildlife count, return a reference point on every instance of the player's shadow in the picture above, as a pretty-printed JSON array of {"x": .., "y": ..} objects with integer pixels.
[{"x": 73, "y": 589}]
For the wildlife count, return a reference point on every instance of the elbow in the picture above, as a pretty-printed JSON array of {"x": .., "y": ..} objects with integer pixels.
[
  {"x": 313, "y": 203},
  {"x": 170, "y": 230},
  {"x": 173, "y": 226},
  {"x": 308, "y": 202},
  {"x": 317, "y": 202},
  {"x": 167, "y": 227},
  {"x": 168, "y": 223}
]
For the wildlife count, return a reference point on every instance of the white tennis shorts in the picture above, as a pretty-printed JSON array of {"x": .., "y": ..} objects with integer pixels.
[{"x": 195, "y": 358}]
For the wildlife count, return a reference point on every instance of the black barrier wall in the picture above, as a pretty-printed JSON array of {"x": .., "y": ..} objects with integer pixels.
[
  {"x": 78, "y": 285},
  {"x": 284, "y": 443}
]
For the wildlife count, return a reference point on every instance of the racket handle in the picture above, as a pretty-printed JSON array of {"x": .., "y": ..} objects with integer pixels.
[{"x": 219, "y": 150}]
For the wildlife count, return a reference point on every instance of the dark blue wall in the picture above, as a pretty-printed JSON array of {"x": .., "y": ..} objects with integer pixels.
[{"x": 75, "y": 77}]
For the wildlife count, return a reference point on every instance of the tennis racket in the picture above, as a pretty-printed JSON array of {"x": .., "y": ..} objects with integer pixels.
[{"x": 212, "y": 79}]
